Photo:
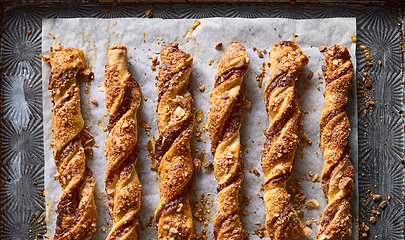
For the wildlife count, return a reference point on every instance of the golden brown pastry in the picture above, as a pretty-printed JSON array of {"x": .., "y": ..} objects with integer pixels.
[
  {"x": 172, "y": 150},
  {"x": 122, "y": 185},
  {"x": 77, "y": 215},
  {"x": 224, "y": 119},
  {"x": 337, "y": 172},
  {"x": 281, "y": 99}
]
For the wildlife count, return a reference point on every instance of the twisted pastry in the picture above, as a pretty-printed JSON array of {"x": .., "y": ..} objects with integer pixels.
[
  {"x": 281, "y": 99},
  {"x": 172, "y": 150},
  {"x": 122, "y": 185},
  {"x": 337, "y": 172},
  {"x": 77, "y": 215},
  {"x": 224, "y": 119}
]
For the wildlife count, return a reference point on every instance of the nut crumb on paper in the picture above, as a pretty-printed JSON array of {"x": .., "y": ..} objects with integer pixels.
[
  {"x": 260, "y": 232},
  {"x": 310, "y": 74},
  {"x": 322, "y": 48},
  {"x": 254, "y": 171},
  {"x": 307, "y": 232},
  {"x": 202, "y": 209},
  {"x": 246, "y": 104},
  {"x": 218, "y": 45},
  {"x": 312, "y": 204},
  {"x": 260, "y": 76},
  {"x": 151, "y": 154},
  {"x": 94, "y": 101},
  {"x": 145, "y": 126},
  {"x": 199, "y": 160}
]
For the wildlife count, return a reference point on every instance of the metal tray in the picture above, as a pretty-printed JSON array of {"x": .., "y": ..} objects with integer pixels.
[{"x": 381, "y": 130}]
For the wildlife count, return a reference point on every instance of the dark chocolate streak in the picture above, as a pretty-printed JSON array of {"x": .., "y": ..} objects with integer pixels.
[
  {"x": 68, "y": 149},
  {"x": 172, "y": 204},
  {"x": 124, "y": 103},
  {"x": 329, "y": 214},
  {"x": 61, "y": 81},
  {"x": 325, "y": 120},
  {"x": 341, "y": 162},
  {"x": 278, "y": 179},
  {"x": 272, "y": 133},
  {"x": 233, "y": 72},
  {"x": 278, "y": 82},
  {"x": 123, "y": 229},
  {"x": 67, "y": 205},
  {"x": 338, "y": 53},
  {"x": 232, "y": 120},
  {"x": 236, "y": 177},
  {"x": 169, "y": 137},
  {"x": 229, "y": 218},
  {"x": 339, "y": 74},
  {"x": 172, "y": 81}
]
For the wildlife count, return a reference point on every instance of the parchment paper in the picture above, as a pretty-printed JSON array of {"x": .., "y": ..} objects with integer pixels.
[{"x": 144, "y": 39}]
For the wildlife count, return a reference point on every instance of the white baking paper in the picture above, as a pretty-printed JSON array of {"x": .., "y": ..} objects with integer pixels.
[{"x": 144, "y": 39}]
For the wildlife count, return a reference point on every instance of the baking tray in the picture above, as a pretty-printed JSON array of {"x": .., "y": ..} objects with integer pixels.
[{"x": 380, "y": 107}]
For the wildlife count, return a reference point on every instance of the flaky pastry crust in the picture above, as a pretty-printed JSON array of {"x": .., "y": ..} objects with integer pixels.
[
  {"x": 77, "y": 215},
  {"x": 281, "y": 99},
  {"x": 224, "y": 120},
  {"x": 172, "y": 149},
  {"x": 122, "y": 185},
  {"x": 337, "y": 172}
]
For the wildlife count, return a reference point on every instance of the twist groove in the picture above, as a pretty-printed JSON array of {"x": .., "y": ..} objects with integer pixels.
[
  {"x": 224, "y": 120},
  {"x": 76, "y": 211},
  {"x": 122, "y": 185},
  {"x": 172, "y": 149},
  {"x": 281, "y": 99},
  {"x": 338, "y": 171}
]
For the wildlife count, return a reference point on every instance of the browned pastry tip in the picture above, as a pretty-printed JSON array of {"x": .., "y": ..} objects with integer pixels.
[
  {"x": 338, "y": 171},
  {"x": 76, "y": 211},
  {"x": 122, "y": 185},
  {"x": 224, "y": 120},
  {"x": 281, "y": 99},
  {"x": 172, "y": 149}
]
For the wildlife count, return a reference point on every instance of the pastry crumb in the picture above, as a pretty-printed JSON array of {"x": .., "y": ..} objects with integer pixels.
[
  {"x": 322, "y": 48},
  {"x": 94, "y": 101},
  {"x": 210, "y": 62},
  {"x": 218, "y": 45},
  {"x": 310, "y": 74},
  {"x": 101, "y": 88},
  {"x": 376, "y": 197},
  {"x": 383, "y": 204},
  {"x": 315, "y": 178},
  {"x": 261, "y": 74},
  {"x": 307, "y": 232},
  {"x": 202, "y": 88},
  {"x": 246, "y": 104},
  {"x": 259, "y": 53},
  {"x": 145, "y": 126},
  {"x": 312, "y": 204},
  {"x": 149, "y": 13},
  {"x": 373, "y": 220}
]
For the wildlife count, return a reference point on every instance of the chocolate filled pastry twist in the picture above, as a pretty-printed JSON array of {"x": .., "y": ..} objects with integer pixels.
[
  {"x": 281, "y": 99},
  {"x": 224, "y": 120},
  {"x": 338, "y": 171},
  {"x": 76, "y": 211},
  {"x": 122, "y": 185},
  {"x": 172, "y": 149}
]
